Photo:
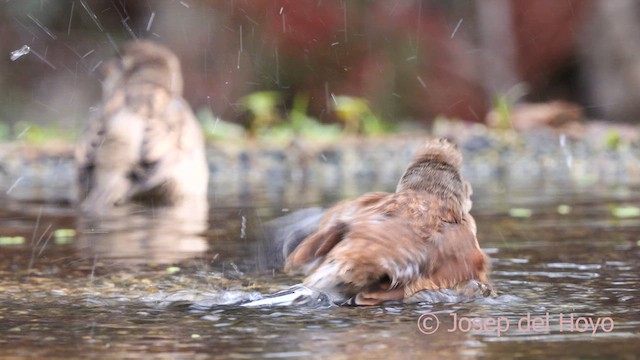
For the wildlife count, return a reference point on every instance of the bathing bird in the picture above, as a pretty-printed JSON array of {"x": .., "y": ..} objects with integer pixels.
[
  {"x": 143, "y": 143},
  {"x": 392, "y": 246}
]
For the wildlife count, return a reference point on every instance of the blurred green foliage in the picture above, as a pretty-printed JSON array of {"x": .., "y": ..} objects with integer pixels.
[
  {"x": 268, "y": 122},
  {"x": 503, "y": 109},
  {"x": 520, "y": 212},
  {"x": 624, "y": 212},
  {"x": 4, "y": 132},
  {"x": 263, "y": 106},
  {"x": 358, "y": 117},
  {"x": 612, "y": 139},
  {"x": 215, "y": 128},
  {"x": 38, "y": 134},
  {"x": 64, "y": 236},
  {"x": 12, "y": 240},
  {"x": 300, "y": 124}
]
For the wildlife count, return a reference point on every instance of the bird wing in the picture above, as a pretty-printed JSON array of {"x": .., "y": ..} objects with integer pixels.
[
  {"x": 391, "y": 238},
  {"x": 85, "y": 153},
  {"x": 104, "y": 154},
  {"x": 330, "y": 232}
]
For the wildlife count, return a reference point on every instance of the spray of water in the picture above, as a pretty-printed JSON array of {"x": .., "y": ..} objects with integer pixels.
[{"x": 17, "y": 54}]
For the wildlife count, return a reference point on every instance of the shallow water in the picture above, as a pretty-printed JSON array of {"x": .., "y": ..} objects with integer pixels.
[{"x": 130, "y": 292}]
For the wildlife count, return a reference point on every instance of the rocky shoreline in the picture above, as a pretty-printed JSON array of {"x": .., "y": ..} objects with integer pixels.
[{"x": 301, "y": 171}]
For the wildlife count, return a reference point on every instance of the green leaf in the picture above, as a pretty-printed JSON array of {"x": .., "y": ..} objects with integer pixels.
[
  {"x": 64, "y": 236},
  {"x": 564, "y": 209},
  {"x": 261, "y": 103},
  {"x": 358, "y": 116},
  {"x": 612, "y": 139},
  {"x": 173, "y": 269},
  {"x": 626, "y": 211},
  {"x": 520, "y": 212},
  {"x": 504, "y": 112},
  {"x": 11, "y": 240}
]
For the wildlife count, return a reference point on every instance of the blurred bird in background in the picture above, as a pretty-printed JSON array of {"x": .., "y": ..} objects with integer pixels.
[{"x": 144, "y": 143}]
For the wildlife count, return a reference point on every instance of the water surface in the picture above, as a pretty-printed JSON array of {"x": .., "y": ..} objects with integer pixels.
[{"x": 129, "y": 292}]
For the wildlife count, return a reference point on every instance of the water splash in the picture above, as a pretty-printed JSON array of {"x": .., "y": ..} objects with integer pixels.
[
  {"x": 41, "y": 26},
  {"x": 424, "y": 85},
  {"x": 17, "y": 54},
  {"x": 88, "y": 53},
  {"x": 243, "y": 227},
  {"x": 456, "y": 28},
  {"x": 15, "y": 183},
  {"x": 33, "y": 236},
  {"x": 94, "y": 67},
  {"x": 241, "y": 47},
  {"x": 297, "y": 295},
  {"x": 277, "y": 67},
  {"x": 284, "y": 22},
  {"x": 344, "y": 16},
  {"x": 153, "y": 15},
  {"x": 73, "y": 5},
  {"x": 128, "y": 28},
  {"x": 566, "y": 151},
  {"x": 92, "y": 15},
  {"x": 23, "y": 132}
]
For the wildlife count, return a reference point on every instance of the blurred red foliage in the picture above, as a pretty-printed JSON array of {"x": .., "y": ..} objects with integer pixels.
[
  {"x": 402, "y": 55},
  {"x": 546, "y": 34},
  {"x": 412, "y": 59}
]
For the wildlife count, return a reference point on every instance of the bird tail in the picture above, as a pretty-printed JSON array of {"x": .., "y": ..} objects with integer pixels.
[{"x": 283, "y": 235}]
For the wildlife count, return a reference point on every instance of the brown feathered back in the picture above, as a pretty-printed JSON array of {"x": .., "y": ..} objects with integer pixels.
[{"x": 435, "y": 169}]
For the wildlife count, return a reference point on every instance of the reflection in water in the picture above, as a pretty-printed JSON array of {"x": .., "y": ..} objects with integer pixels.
[{"x": 134, "y": 235}]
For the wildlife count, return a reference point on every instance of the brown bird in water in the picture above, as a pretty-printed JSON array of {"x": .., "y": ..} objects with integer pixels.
[
  {"x": 388, "y": 247},
  {"x": 144, "y": 143}
]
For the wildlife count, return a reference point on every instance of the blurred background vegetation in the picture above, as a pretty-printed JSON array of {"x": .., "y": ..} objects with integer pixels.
[{"x": 364, "y": 67}]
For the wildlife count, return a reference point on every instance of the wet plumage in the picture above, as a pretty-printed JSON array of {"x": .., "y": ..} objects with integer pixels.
[
  {"x": 388, "y": 247},
  {"x": 144, "y": 143}
]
